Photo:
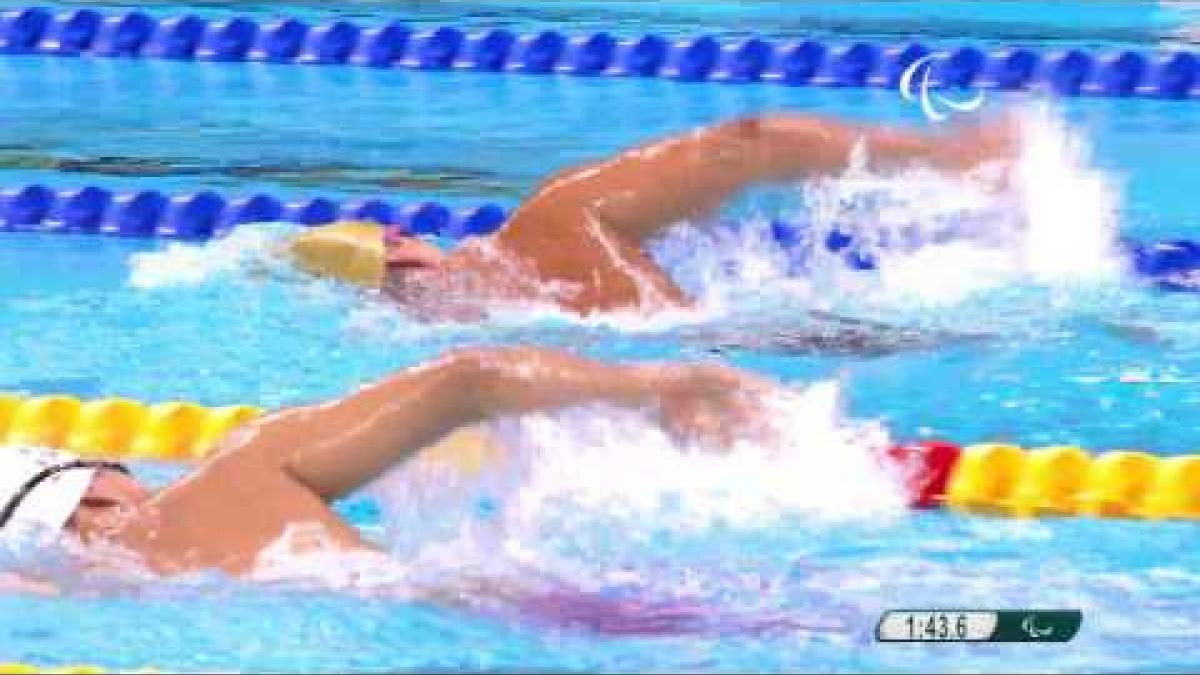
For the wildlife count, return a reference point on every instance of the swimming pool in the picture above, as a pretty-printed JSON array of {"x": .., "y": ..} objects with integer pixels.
[{"x": 670, "y": 568}]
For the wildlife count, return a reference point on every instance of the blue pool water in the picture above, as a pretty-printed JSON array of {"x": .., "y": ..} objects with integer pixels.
[
  {"x": 628, "y": 555},
  {"x": 455, "y": 137}
]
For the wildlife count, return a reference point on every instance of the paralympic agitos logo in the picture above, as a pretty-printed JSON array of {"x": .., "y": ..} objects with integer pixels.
[{"x": 915, "y": 85}]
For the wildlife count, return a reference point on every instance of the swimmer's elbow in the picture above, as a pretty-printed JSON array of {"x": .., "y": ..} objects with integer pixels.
[
  {"x": 471, "y": 365},
  {"x": 480, "y": 373},
  {"x": 494, "y": 380},
  {"x": 747, "y": 127}
]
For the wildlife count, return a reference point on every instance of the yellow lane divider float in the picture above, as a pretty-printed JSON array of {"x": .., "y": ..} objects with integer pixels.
[
  {"x": 27, "y": 669},
  {"x": 992, "y": 479},
  {"x": 73, "y": 669},
  {"x": 118, "y": 427},
  {"x": 1004, "y": 479}
]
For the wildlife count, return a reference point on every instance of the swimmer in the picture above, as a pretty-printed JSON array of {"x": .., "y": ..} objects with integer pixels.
[
  {"x": 579, "y": 241},
  {"x": 284, "y": 470}
]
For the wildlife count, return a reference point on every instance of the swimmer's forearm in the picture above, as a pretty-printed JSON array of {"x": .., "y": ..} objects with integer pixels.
[
  {"x": 646, "y": 189},
  {"x": 337, "y": 448},
  {"x": 783, "y": 147},
  {"x": 514, "y": 382}
]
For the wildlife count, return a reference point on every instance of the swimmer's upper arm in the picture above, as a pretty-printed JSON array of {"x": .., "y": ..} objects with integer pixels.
[{"x": 336, "y": 447}]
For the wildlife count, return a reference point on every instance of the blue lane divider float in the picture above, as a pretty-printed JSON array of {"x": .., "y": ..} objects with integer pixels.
[
  {"x": 1170, "y": 265},
  {"x": 1071, "y": 72},
  {"x": 203, "y": 215}
]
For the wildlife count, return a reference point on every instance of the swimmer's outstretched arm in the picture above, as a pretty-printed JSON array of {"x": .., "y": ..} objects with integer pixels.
[
  {"x": 340, "y": 446},
  {"x": 646, "y": 189}
]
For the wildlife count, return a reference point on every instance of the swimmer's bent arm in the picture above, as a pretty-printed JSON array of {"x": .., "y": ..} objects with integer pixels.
[
  {"x": 648, "y": 188},
  {"x": 338, "y": 447}
]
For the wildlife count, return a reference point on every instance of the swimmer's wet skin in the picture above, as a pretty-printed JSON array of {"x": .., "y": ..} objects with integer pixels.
[
  {"x": 578, "y": 241},
  {"x": 284, "y": 470}
]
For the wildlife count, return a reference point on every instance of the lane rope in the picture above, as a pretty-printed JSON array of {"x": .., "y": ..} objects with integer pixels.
[
  {"x": 118, "y": 427},
  {"x": 72, "y": 669},
  {"x": 135, "y": 34},
  {"x": 988, "y": 478},
  {"x": 1169, "y": 264},
  {"x": 206, "y": 214},
  {"x": 29, "y": 669}
]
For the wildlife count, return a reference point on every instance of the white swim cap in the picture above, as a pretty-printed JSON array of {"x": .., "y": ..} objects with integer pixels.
[{"x": 40, "y": 488}]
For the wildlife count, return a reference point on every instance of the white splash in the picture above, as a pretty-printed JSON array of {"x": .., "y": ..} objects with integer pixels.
[
  {"x": 1071, "y": 208},
  {"x": 729, "y": 268},
  {"x": 305, "y": 556},
  {"x": 823, "y": 466},
  {"x": 586, "y": 474},
  {"x": 248, "y": 251},
  {"x": 1050, "y": 219}
]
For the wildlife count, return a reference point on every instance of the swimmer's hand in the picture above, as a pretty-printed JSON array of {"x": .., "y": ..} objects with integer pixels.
[{"x": 713, "y": 406}]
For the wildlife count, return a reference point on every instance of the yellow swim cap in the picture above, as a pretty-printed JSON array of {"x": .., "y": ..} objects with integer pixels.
[{"x": 352, "y": 252}]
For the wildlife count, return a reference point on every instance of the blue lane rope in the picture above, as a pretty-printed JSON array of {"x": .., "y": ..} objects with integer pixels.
[
  {"x": 1170, "y": 264},
  {"x": 206, "y": 214},
  {"x": 1072, "y": 72}
]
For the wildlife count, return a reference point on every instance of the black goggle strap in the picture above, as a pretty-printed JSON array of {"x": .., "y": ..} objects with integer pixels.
[{"x": 49, "y": 472}]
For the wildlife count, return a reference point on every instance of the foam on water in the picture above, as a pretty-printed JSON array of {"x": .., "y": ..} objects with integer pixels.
[
  {"x": 249, "y": 251},
  {"x": 569, "y": 480},
  {"x": 938, "y": 239}
]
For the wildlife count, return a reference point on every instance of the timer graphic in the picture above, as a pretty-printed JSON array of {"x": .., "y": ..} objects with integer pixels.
[{"x": 978, "y": 625}]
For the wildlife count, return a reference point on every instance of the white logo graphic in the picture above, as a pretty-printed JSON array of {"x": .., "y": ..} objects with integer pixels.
[
  {"x": 1032, "y": 629},
  {"x": 932, "y": 102}
]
